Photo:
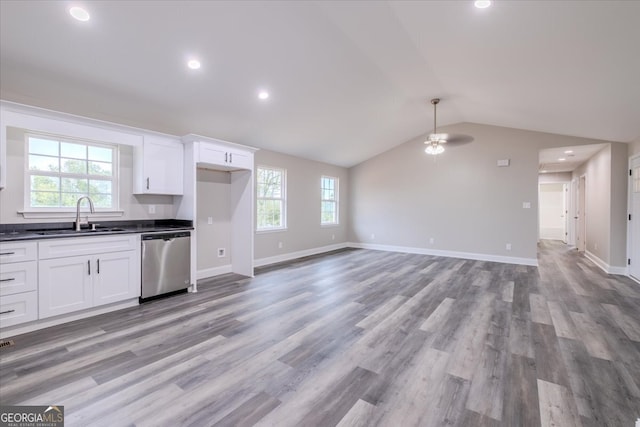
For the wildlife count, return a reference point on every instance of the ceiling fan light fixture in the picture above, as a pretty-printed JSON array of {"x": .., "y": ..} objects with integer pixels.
[
  {"x": 482, "y": 4},
  {"x": 434, "y": 149}
]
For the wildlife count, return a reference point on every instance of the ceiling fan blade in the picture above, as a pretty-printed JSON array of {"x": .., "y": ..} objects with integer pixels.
[{"x": 457, "y": 139}]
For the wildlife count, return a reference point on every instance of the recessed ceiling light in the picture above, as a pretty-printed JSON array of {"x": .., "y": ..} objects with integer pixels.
[
  {"x": 194, "y": 64},
  {"x": 568, "y": 152},
  {"x": 79, "y": 13},
  {"x": 561, "y": 159},
  {"x": 263, "y": 94},
  {"x": 482, "y": 4}
]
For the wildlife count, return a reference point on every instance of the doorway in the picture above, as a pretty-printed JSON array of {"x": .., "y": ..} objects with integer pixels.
[{"x": 552, "y": 199}]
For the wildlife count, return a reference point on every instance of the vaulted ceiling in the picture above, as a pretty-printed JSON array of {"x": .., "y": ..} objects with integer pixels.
[{"x": 347, "y": 80}]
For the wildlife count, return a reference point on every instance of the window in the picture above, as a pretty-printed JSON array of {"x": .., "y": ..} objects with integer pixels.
[
  {"x": 329, "y": 202},
  {"x": 271, "y": 208},
  {"x": 59, "y": 171}
]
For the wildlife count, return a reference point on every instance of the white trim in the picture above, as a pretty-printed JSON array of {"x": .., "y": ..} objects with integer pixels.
[
  {"x": 65, "y": 318},
  {"x": 69, "y": 214},
  {"x": 630, "y": 212},
  {"x": 56, "y": 123},
  {"x": 213, "y": 271},
  {"x": 604, "y": 266},
  {"x": 448, "y": 254},
  {"x": 299, "y": 254}
]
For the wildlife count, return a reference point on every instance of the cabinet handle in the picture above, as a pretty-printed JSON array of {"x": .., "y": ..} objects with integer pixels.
[
  {"x": 89, "y": 267},
  {"x": 147, "y": 183},
  {"x": 230, "y": 157},
  {"x": 7, "y": 253},
  {"x": 8, "y": 280},
  {"x": 98, "y": 265},
  {"x": 8, "y": 311},
  {"x": 226, "y": 157}
]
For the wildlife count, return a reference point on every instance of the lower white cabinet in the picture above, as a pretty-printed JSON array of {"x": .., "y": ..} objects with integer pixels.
[
  {"x": 71, "y": 283},
  {"x": 18, "y": 308}
]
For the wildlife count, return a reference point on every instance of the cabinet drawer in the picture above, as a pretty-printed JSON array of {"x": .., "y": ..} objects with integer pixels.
[
  {"x": 17, "y": 252},
  {"x": 18, "y": 277},
  {"x": 18, "y": 308},
  {"x": 82, "y": 246}
]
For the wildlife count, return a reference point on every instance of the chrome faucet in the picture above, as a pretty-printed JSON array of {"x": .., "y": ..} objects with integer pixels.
[{"x": 78, "y": 222}]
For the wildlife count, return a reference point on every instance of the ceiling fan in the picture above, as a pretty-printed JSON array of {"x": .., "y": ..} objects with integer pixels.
[{"x": 435, "y": 142}]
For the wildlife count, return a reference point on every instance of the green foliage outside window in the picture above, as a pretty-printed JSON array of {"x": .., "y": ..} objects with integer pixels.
[{"x": 61, "y": 172}]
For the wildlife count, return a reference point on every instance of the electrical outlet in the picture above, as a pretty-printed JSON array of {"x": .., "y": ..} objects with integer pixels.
[
  {"x": 209, "y": 220},
  {"x": 508, "y": 246},
  {"x": 221, "y": 252},
  {"x": 333, "y": 237},
  {"x": 431, "y": 240},
  {"x": 152, "y": 209},
  {"x": 373, "y": 236},
  {"x": 279, "y": 245}
]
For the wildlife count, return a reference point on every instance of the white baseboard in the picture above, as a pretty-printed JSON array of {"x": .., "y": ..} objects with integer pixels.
[
  {"x": 448, "y": 254},
  {"x": 299, "y": 254},
  {"x": 65, "y": 318},
  {"x": 623, "y": 271},
  {"x": 214, "y": 271}
]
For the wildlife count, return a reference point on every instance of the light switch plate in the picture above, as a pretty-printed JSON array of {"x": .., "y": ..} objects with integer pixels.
[
  {"x": 526, "y": 205},
  {"x": 503, "y": 162}
]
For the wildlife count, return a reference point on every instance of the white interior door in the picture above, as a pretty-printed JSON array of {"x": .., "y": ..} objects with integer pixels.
[
  {"x": 565, "y": 212},
  {"x": 634, "y": 225}
]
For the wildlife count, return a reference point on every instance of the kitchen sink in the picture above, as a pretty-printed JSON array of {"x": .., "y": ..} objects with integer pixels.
[{"x": 83, "y": 231}]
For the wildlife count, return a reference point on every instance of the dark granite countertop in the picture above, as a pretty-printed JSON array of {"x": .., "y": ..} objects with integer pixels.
[{"x": 56, "y": 230}]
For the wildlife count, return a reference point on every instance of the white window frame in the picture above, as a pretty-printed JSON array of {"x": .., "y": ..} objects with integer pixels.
[
  {"x": 64, "y": 212},
  {"x": 283, "y": 199},
  {"x": 335, "y": 200}
]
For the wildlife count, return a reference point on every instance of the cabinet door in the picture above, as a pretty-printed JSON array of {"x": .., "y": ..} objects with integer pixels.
[
  {"x": 240, "y": 160},
  {"x": 64, "y": 285},
  {"x": 163, "y": 165},
  {"x": 213, "y": 154},
  {"x": 117, "y": 277}
]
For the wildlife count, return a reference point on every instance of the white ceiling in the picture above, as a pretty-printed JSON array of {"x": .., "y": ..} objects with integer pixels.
[
  {"x": 550, "y": 158},
  {"x": 348, "y": 80}
]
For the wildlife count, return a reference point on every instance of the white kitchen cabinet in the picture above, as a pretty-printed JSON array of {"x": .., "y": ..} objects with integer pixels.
[
  {"x": 17, "y": 252},
  {"x": 117, "y": 277},
  {"x": 65, "y": 285},
  {"x": 18, "y": 308},
  {"x": 227, "y": 158},
  {"x": 18, "y": 283},
  {"x": 158, "y": 166},
  {"x": 238, "y": 160},
  {"x": 109, "y": 271}
]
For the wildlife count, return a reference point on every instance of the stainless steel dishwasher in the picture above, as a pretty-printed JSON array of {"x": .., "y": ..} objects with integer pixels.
[{"x": 166, "y": 264}]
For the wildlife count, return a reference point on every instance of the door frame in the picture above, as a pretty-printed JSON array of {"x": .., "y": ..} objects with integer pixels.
[
  {"x": 581, "y": 223},
  {"x": 630, "y": 212}
]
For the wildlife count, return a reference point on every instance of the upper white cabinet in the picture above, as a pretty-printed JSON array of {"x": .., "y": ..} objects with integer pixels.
[
  {"x": 227, "y": 158},
  {"x": 158, "y": 166}
]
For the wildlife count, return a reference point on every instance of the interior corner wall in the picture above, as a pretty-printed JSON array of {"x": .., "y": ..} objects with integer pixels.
[
  {"x": 460, "y": 199},
  {"x": 304, "y": 232},
  {"x": 213, "y": 201},
  {"x": 634, "y": 147}
]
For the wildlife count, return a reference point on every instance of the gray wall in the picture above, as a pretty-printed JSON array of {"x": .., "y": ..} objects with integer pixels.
[
  {"x": 460, "y": 199},
  {"x": 607, "y": 203},
  {"x": 634, "y": 147},
  {"x": 134, "y": 206},
  {"x": 546, "y": 178},
  {"x": 304, "y": 231},
  {"x": 213, "y": 200}
]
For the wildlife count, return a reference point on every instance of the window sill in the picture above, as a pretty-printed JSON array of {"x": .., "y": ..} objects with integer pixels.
[
  {"x": 68, "y": 214},
  {"x": 271, "y": 230},
  {"x": 329, "y": 225}
]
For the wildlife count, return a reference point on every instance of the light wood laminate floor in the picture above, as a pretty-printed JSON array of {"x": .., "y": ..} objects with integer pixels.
[{"x": 353, "y": 338}]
